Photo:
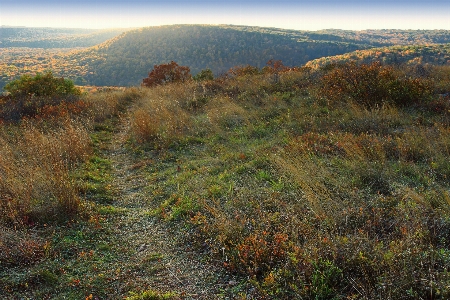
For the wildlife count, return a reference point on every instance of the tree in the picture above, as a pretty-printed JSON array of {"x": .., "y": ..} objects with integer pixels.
[
  {"x": 243, "y": 71},
  {"x": 275, "y": 67},
  {"x": 204, "y": 75},
  {"x": 165, "y": 73},
  {"x": 374, "y": 85}
]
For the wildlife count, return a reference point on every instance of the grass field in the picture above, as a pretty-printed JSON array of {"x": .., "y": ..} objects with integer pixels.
[{"x": 283, "y": 186}]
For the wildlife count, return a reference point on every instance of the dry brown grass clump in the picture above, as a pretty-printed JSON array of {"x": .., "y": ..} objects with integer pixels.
[
  {"x": 160, "y": 117},
  {"x": 35, "y": 185},
  {"x": 104, "y": 104}
]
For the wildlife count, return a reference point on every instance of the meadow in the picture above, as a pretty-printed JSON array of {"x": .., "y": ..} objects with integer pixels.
[{"x": 330, "y": 183}]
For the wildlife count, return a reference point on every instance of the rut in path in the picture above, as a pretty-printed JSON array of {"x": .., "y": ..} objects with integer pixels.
[{"x": 157, "y": 259}]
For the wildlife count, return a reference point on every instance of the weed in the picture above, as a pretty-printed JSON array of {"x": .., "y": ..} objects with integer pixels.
[{"x": 152, "y": 295}]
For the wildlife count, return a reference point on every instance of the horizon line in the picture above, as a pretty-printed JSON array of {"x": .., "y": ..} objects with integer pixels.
[{"x": 222, "y": 24}]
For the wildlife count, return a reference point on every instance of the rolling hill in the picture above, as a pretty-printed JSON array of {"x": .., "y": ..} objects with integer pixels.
[
  {"x": 126, "y": 59},
  {"x": 47, "y": 38},
  {"x": 438, "y": 54}
]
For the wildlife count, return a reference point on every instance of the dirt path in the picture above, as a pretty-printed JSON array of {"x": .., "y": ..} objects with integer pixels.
[{"x": 154, "y": 254}]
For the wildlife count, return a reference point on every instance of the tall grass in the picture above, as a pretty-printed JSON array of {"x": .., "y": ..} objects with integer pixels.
[
  {"x": 160, "y": 116},
  {"x": 35, "y": 183},
  {"x": 105, "y": 104},
  {"x": 310, "y": 196},
  {"x": 304, "y": 194}
]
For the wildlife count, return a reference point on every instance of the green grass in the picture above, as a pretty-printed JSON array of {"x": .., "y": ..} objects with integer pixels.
[{"x": 152, "y": 295}]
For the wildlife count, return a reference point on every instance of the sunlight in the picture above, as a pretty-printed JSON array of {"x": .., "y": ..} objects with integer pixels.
[{"x": 292, "y": 16}]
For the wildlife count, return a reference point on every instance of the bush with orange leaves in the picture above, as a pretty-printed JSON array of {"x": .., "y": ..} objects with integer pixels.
[
  {"x": 373, "y": 85},
  {"x": 165, "y": 73}
]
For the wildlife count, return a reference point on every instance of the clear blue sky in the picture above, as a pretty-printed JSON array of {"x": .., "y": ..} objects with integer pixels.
[{"x": 301, "y": 14}]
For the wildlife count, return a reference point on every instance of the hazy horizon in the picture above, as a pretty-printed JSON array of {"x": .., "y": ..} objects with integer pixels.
[{"x": 298, "y": 15}]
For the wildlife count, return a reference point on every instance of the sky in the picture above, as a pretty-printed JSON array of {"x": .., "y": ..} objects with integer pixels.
[{"x": 299, "y": 15}]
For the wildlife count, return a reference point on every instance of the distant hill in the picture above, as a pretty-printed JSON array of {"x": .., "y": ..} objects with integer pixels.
[
  {"x": 127, "y": 58},
  {"x": 54, "y": 37},
  {"x": 438, "y": 54},
  {"x": 389, "y": 37}
]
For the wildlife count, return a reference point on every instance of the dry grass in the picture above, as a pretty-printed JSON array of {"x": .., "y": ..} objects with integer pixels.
[
  {"x": 300, "y": 198},
  {"x": 159, "y": 118},
  {"x": 315, "y": 200},
  {"x": 104, "y": 104},
  {"x": 35, "y": 182},
  {"x": 225, "y": 114}
]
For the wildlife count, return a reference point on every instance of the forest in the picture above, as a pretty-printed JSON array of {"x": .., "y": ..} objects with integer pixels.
[
  {"x": 438, "y": 54},
  {"x": 128, "y": 57}
]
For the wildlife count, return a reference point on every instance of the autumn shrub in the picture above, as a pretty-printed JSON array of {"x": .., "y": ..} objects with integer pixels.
[
  {"x": 243, "y": 71},
  {"x": 274, "y": 67},
  {"x": 373, "y": 85},
  {"x": 28, "y": 95},
  {"x": 204, "y": 75},
  {"x": 260, "y": 252},
  {"x": 63, "y": 110},
  {"x": 167, "y": 73}
]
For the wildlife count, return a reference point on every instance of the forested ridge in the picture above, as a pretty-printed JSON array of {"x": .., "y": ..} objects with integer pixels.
[
  {"x": 387, "y": 37},
  {"x": 128, "y": 57},
  {"x": 438, "y": 54}
]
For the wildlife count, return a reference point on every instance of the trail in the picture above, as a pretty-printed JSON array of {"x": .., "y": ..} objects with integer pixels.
[{"x": 154, "y": 255}]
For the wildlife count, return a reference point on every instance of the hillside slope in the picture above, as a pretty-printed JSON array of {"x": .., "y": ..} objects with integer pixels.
[
  {"x": 438, "y": 54},
  {"x": 328, "y": 184},
  {"x": 128, "y": 58}
]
